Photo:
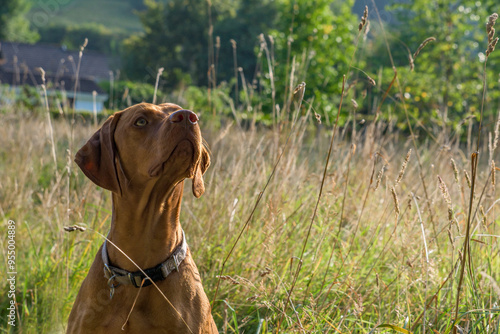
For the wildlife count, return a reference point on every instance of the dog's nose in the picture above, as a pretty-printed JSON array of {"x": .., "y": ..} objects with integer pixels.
[{"x": 182, "y": 115}]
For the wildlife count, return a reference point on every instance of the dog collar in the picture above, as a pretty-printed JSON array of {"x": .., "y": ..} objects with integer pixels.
[{"x": 117, "y": 276}]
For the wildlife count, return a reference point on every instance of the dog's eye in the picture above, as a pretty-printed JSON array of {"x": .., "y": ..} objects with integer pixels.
[{"x": 141, "y": 122}]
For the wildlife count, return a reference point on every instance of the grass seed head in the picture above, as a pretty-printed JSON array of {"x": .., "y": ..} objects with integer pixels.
[
  {"x": 42, "y": 73},
  {"x": 491, "y": 23},
  {"x": 450, "y": 214},
  {"x": 421, "y": 46},
  {"x": 371, "y": 81},
  {"x": 444, "y": 191},
  {"x": 497, "y": 132},
  {"x": 403, "y": 167},
  {"x": 367, "y": 29},
  {"x": 396, "y": 201},
  {"x": 483, "y": 215},
  {"x": 318, "y": 117},
  {"x": 74, "y": 228},
  {"x": 363, "y": 19},
  {"x": 228, "y": 278},
  {"x": 467, "y": 178},
  {"x": 354, "y": 104},
  {"x": 491, "y": 47},
  {"x": 491, "y": 34},
  {"x": 490, "y": 31}
]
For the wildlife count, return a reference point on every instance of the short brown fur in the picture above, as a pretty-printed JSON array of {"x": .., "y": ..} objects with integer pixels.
[{"x": 144, "y": 167}]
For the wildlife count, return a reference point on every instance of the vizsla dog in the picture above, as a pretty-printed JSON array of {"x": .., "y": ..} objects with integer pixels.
[{"x": 142, "y": 155}]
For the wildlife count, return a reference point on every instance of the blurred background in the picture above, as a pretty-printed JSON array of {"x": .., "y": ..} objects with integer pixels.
[{"x": 229, "y": 48}]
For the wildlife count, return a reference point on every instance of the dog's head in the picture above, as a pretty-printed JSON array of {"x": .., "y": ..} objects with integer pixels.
[{"x": 146, "y": 143}]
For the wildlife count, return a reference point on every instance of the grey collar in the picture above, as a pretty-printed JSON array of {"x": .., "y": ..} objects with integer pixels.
[{"x": 117, "y": 276}]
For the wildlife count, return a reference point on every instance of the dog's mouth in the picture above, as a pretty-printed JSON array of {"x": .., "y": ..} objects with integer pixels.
[{"x": 182, "y": 158}]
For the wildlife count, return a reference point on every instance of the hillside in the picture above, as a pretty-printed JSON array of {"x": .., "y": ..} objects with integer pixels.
[{"x": 117, "y": 15}]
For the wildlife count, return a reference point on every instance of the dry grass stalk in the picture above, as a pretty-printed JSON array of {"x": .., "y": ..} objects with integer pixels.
[
  {"x": 367, "y": 29},
  {"x": 421, "y": 46},
  {"x": 490, "y": 145},
  {"x": 403, "y": 167},
  {"x": 493, "y": 169},
  {"x": 412, "y": 63},
  {"x": 49, "y": 121},
  {"x": 379, "y": 176},
  {"x": 497, "y": 132},
  {"x": 450, "y": 237},
  {"x": 77, "y": 74},
  {"x": 158, "y": 75},
  {"x": 354, "y": 104},
  {"x": 447, "y": 199},
  {"x": 455, "y": 171}
]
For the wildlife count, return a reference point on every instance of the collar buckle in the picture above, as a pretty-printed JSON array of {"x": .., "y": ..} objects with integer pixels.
[{"x": 112, "y": 282}]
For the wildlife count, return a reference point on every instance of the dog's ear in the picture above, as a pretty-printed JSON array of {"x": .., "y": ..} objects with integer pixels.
[
  {"x": 201, "y": 168},
  {"x": 97, "y": 157}
]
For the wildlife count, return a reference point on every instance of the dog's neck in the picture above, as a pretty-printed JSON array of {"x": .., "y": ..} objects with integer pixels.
[{"x": 145, "y": 226}]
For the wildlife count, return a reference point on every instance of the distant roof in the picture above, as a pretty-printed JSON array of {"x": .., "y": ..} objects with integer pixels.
[
  {"x": 34, "y": 78},
  {"x": 54, "y": 60}
]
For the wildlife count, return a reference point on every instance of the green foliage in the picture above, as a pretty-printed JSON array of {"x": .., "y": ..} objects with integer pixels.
[
  {"x": 321, "y": 39},
  {"x": 127, "y": 93},
  {"x": 446, "y": 84},
  {"x": 28, "y": 97},
  {"x": 174, "y": 38},
  {"x": 250, "y": 19},
  {"x": 13, "y": 24},
  {"x": 182, "y": 49}
]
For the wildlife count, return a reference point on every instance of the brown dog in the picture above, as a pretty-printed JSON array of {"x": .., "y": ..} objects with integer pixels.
[{"x": 142, "y": 154}]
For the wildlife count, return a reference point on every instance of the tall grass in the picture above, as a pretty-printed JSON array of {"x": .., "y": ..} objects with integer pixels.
[
  {"x": 378, "y": 249},
  {"x": 386, "y": 276}
]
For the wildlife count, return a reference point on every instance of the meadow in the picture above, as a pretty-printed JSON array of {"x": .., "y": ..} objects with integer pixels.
[
  {"x": 381, "y": 250},
  {"x": 305, "y": 226}
]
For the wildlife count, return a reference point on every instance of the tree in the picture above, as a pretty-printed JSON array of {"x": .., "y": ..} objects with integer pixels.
[
  {"x": 320, "y": 37},
  {"x": 251, "y": 18},
  {"x": 446, "y": 82},
  {"x": 13, "y": 24},
  {"x": 175, "y": 38}
]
